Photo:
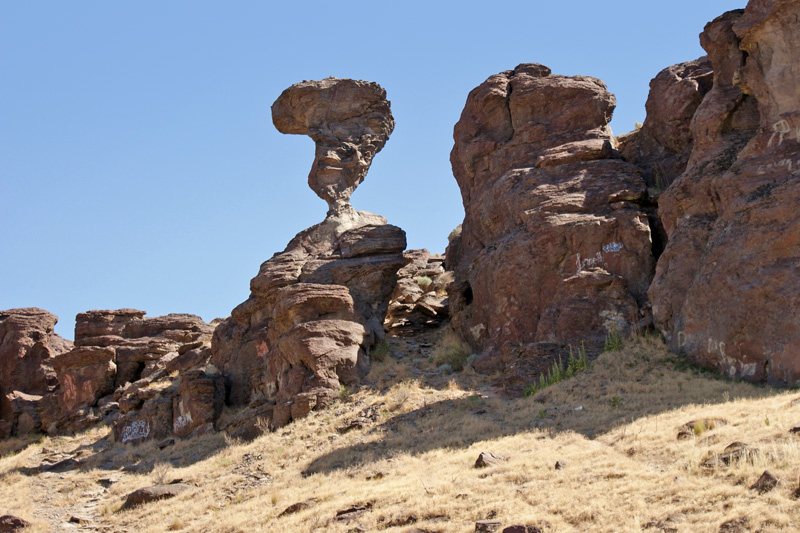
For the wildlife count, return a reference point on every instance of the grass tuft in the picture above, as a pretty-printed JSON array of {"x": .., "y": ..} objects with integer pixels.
[
  {"x": 424, "y": 283},
  {"x": 614, "y": 341},
  {"x": 577, "y": 362},
  {"x": 451, "y": 350},
  {"x": 381, "y": 350}
]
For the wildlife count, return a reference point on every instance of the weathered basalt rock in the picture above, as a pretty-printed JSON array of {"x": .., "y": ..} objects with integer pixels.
[
  {"x": 28, "y": 346},
  {"x": 349, "y": 121},
  {"x": 725, "y": 290},
  {"x": 316, "y": 308},
  {"x": 554, "y": 246}
]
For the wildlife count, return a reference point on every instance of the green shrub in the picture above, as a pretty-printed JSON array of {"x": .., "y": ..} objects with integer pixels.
[
  {"x": 424, "y": 283},
  {"x": 380, "y": 350},
  {"x": 577, "y": 362},
  {"x": 614, "y": 341},
  {"x": 454, "y": 234}
]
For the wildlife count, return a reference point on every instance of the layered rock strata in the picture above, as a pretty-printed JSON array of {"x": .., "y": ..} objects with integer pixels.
[
  {"x": 316, "y": 308},
  {"x": 28, "y": 347},
  {"x": 726, "y": 290},
  {"x": 555, "y": 248}
]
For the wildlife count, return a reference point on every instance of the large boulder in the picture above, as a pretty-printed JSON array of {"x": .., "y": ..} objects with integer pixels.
[
  {"x": 726, "y": 290},
  {"x": 316, "y": 308},
  {"x": 554, "y": 246},
  {"x": 28, "y": 346},
  {"x": 85, "y": 374}
]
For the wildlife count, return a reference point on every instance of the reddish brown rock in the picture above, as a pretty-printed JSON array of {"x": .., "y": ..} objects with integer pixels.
[
  {"x": 725, "y": 291},
  {"x": 154, "y": 493},
  {"x": 85, "y": 374},
  {"x": 28, "y": 345},
  {"x": 554, "y": 246},
  {"x": 349, "y": 120},
  {"x": 199, "y": 401},
  {"x": 661, "y": 147},
  {"x": 137, "y": 359},
  {"x": 316, "y": 308},
  {"x": 10, "y": 523}
]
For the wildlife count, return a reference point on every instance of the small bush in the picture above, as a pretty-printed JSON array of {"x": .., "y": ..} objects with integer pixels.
[
  {"x": 614, "y": 341},
  {"x": 615, "y": 401},
  {"x": 454, "y": 234},
  {"x": 424, "y": 283},
  {"x": 699, "y": 427},
  {"x": 160, "y": 473},
  {"x": 451, "y": 350},
  {"x": 381, "y": 350},
  {"x": 344, "y": 393}
]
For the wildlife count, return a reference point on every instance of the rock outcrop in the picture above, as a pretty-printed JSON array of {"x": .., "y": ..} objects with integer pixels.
[
  {"x": 316, "y": 308},
  {"x": 28, "y": 346},
  {"x": 125, "y": 368},
  {"x": 726, "y": 291},
  {"x": 555, "y": 248}
]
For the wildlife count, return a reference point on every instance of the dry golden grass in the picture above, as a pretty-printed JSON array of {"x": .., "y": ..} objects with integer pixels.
[{"x": 614, "y": 426}]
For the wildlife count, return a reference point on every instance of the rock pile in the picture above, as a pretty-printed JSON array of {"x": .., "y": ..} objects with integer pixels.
[
  {"x": 28, "y": 347},
  {"x": 725, "y": 290},
  {"x": 555, "y": 248},
  {"x": 419, "y": 299},
  {"x": 316, "y": 308}
]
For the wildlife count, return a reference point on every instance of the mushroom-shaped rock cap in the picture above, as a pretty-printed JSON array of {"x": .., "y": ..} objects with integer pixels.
[{"x": 349, "y": 120}]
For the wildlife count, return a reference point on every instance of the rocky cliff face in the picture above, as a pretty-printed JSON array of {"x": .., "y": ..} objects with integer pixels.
[
  {"x": 725, "y": 290},
  {"x": 28, "y": 347},
  {"x": 555, "y": 248},
  {"x": 316, "y": 308}
]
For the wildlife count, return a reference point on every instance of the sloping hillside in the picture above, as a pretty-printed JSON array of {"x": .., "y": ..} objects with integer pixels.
[{"x": 399, "y": 454}]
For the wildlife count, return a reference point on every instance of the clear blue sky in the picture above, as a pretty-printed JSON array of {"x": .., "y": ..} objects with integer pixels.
[{"x": 138, "y": 162}]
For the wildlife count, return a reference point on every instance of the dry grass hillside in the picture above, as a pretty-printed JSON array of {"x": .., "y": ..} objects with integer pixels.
[{"x": 398, "y": 455}]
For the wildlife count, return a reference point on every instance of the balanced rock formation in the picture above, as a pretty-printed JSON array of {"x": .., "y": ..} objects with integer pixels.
[
  {"x": 726, "y": 290},
  {"x": 28, "y": 346},
  {"x": 349, "y": 121},
  {"x": 555, "y": 248},
  {"x": 316, "y": 308}
]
